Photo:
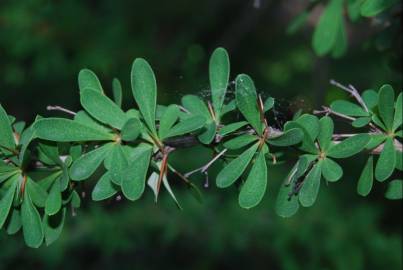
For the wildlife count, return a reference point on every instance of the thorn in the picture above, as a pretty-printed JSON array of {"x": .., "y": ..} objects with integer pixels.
[{"x": 206, "y": 181}]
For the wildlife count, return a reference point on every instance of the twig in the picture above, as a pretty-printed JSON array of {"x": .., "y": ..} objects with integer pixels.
[
  {"x": 183, "y": 109},
  {"x": 59, "y": 108},
  {"x": 204, "y": 168},
  {"x": 327, "y": 110},
  {"x": 351, "y": 89},
  {"x": 15, "y": 152},
  {"x": 340, "y": 136}
]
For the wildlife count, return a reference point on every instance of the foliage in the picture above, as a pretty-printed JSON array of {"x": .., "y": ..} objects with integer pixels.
[
  {"x": 330, "y": 36},
  {"x": 133, "y": 147}
]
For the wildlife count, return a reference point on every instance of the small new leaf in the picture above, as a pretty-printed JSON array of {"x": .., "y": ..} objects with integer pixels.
[{"x": 394, "y": 191}]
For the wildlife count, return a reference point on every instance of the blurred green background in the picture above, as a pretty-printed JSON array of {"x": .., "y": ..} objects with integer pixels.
[{"x": 43, "y": 45}]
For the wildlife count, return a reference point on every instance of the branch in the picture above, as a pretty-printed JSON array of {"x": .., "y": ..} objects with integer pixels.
[
  {"x": 351, "y": 89},
  {"x": 61, "y": 109},
  {"x": 327, "y": 111},
  {"x": 204, "y": 168}
]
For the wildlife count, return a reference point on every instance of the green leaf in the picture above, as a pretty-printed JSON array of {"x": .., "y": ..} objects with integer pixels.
[
  {"x": 348, "y": 108},
  {"x": 289, "y": 137},
  {"x": 349, "y": 146},
  {"x": 75, "y": 199},
  {"x": 26, "y": 138},
  {"x": 102, "y": 108},
  {"x": 196, "y": 106},
  {"x": 386, "y": 162},
  {"x": 46, "y": 182},
  {"x": 88, "y": 79},
  {"x": 231, "y": 128},
  {"x": 131, "y": 130},
  {"x": 36, "y": 193},
  {"x": 397, "y": 119},
  {"x": 331, "y": 171},
  {"x": 85, "y": 166},
  {"x": 31, "y": 223},
  {"x": 168, "y": 119},
  {"x": 253, "y": 190},
  {"x": 49, "y": 153},
  {"x": 18, "y": 126},
  {"x": 268, "y": 104},
  {"x": 376, "y": 140},
  {"x": 377, "y": 121},
  {"x": 386, "y": 105},
  {"x": 240, "y": 141},
  {"x": 311, "y": 124},
  {"x": 209, "y": 134},
  {"x": 287, "y": 205},
  {"x": 186, "y": 126},
  {"x": 117, "y": 92},
  {"x": 297, "y": 22},
  {"x": 65, "y": 177},
  {"x": 144, "y": 87},
  {"x": 84, "y": 118},
  {"x": 308, "y": 144},
  {"x": 7, "y": 174},
  {"x": 310, "y": 188},
  {"x": 304, "y": 163},
  {"x": 246, "y": 100},
  {"x": 233, "y": 170},
  {"x": 53, "y": 233},
  {"x": 370, "y": 98},
  {"x": 168, "y": 188},
  {"x": 219, "y": 69},
  {"x": 6, "y": 132},
  {"x": 65, "y": 130},
  {"x": 134, "y": 177},
  {"x": 361, "y": 122},
  {"x": 325, "y": 132},
  {"x": 341, "y": 44},
  {"x": 353, "y": 8},
  {"x": 6, "y": 201},
  {"x": 372, "y": 8},
  {"x": 54, "y": 199},
  {"x": 104, "y": 188},
  {"x": 399, "y": 160},
  {"x": 394, "y": 191},
  {"x": 133, "y": 113},
  {"x": 118, "y": 162},
  {"x": 14, "y": 225},
  {"x": 326, "y": 31},
  {"x": 367, "y": 178}
]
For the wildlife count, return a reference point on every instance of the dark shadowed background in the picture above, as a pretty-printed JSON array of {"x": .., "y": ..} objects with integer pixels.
[{"x": 44, "y": 44}]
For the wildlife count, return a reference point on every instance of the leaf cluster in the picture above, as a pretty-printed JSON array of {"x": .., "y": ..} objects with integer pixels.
[{"x": 43, "y": 165}]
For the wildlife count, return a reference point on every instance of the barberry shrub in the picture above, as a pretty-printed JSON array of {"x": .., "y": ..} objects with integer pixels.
[{"x": 42, "y": 164}]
